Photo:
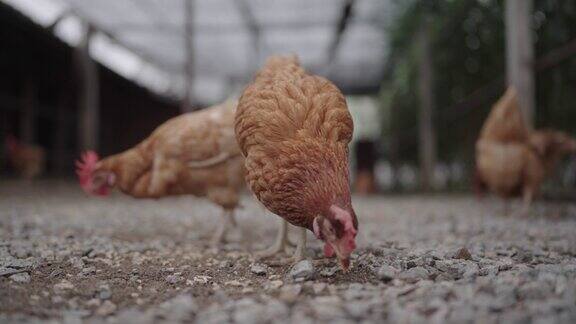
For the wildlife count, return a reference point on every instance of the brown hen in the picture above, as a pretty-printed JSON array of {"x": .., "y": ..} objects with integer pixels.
[
  {"x": 294, "y": 129},
  {"x": 512, "y": 159},
  {"x": 195, "y": 153},
  {"x": 27, "y": 159}
]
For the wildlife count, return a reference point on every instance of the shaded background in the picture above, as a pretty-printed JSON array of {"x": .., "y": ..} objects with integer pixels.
[{"x": 134, "y": 64}]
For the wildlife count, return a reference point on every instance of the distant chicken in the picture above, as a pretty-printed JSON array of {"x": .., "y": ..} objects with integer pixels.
[
  {"x": 195, "y": 153},
  {"x": 513, "y": 160},
  {"x": 294, "y": 129},
  {"x": 28, "y": 160}
]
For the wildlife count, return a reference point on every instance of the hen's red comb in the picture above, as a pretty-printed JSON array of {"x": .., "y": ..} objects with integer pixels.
[{"x": 85, "y": 167}]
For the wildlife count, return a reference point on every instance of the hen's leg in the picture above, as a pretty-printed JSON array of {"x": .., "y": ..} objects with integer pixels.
[
  {"x": 279, "y": 243},
  {"x": 231, "y": 219},
  {"x": 526, "y": 202},
  {"x": 218, "y": 237},
  {"x": 300, "y": 252}
]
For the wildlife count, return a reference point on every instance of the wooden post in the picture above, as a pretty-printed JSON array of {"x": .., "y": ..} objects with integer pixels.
[
  {"x": 393, "y": 145},
  {"x": 60, "y": 139},
  {"x": 28, "y": 112},
  {"x": 252, "y": 25},
  {"x": 427, "y": 132},
  {"x": 89, "y": 105},
  {"x": 520, "y": 54},
  {"x": 189, "y": 59}
]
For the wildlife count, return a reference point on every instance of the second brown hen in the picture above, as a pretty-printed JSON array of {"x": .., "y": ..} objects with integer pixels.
[{"x": 194, "y": 153}]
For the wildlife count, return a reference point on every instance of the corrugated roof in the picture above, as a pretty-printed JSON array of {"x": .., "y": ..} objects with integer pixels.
[{"x": 224, "y": 45}]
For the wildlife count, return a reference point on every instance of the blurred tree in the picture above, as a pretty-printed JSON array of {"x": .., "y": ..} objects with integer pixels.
[{"x": 468, "y": 54}]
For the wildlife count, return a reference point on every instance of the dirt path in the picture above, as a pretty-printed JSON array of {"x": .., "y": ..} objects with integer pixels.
[{"x": 64, "y": 256}]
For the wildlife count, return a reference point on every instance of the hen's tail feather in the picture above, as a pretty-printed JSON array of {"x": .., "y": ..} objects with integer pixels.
[{"x": 505, "y": 121}]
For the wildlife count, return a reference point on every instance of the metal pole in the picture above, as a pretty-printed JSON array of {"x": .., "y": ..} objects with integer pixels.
[
  {"x": 520, "y": 54},
  {"x": 189, "y": 59},
  {"x": 28, "y": 112},
  {"x": 427, "y": 131},
  {"x": 89, "y": 121}
]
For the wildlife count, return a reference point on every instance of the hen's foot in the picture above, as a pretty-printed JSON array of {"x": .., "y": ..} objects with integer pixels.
[
  {"x": 220, "y": 234},
  {"x": 299, "y": 253},
  {"x": 280, "y": 244}
]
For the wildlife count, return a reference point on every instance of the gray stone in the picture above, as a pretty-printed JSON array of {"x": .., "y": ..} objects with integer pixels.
[
  {"x": 104, "y": 292},
  {"x": 386, "y": 273},
  {"x": 88, "y": 271},
  {"x": 415, "y": 274},
  {"x": 107, "y": 308},
  {"x": 327, "y": 308},
  {"x": 357, "y": 309},
  {"x": 77, "y": 263},
  {"x": 20, "y": 251},
  {"x": 276, "y": 311},
  {"x": 21, "y": 263},
  {"x": 179, "y": 309},
  {"x": 63, "y": 285},
  {"x": 329, "y": 272},
  {"x": 318, "y": 287},
  {"x": 174, "y": 279},
  {"x": 535, "y": 290},
  {"x": 259, "y": 269},
  {"x": 248, "y": 311},
  {"x": 290, "y": 293},
  {"x": 303, "y": 270},
  {"x": 22, "y": 277}
]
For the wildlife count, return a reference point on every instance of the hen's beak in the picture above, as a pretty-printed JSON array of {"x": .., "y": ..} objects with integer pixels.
[
  {"x": 343, "y": 258},
  {"x": 345, "y": 264}
]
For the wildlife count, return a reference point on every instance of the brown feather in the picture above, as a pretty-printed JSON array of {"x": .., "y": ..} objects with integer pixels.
[
  {"x": 294, "y": 129},
  {"x": 177, "y": 159}
]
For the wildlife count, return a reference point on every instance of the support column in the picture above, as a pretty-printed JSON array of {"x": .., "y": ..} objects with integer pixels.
[
  {"x": 189, "y": 59},
  {"x": 520, "y": 54},
  {"x": 89, "y": 97},
  {"x": 28, "y": 112},
  {"x": 427, "y": 131},
  {"x": 60, "y": 139}
]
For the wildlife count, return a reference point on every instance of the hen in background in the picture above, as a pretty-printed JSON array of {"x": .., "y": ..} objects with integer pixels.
[
  {"x": 195, "y": 153},
  {"x": 512, "y": 159},
  {"x": 27, "y": 159},
  {"x": 294, "y": 129}
]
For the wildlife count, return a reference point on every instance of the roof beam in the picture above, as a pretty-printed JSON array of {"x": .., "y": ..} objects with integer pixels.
[
  {"x": 340, "y": 28},
  {"x": 252, "y": 24},
  {"x": 189, "y": 58},
  {"x": 236, "y": 28}
]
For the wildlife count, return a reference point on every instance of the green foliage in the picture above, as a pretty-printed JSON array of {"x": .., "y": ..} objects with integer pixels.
[{"x": 469, "y": 53}]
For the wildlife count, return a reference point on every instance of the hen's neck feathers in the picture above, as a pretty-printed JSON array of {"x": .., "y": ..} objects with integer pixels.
[
  {"x": 280, "y": 68},
  {"x": 128, "y": 166},
  {"x": 318, "y": 178}
]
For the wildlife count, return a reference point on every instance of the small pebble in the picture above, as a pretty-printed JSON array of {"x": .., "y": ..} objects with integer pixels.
[
  {"x": 386, "y": 273},
  {"x": 303, "y": 270},
  {"x": 415, "y": 274},
  {"x": 463, "y": 254},
  {"x": 22, "y": 277},
  {"x": 259, "y": 269}
]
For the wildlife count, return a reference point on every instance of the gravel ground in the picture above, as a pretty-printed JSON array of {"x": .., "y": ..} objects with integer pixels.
[{"x": 67, "y": 257}]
